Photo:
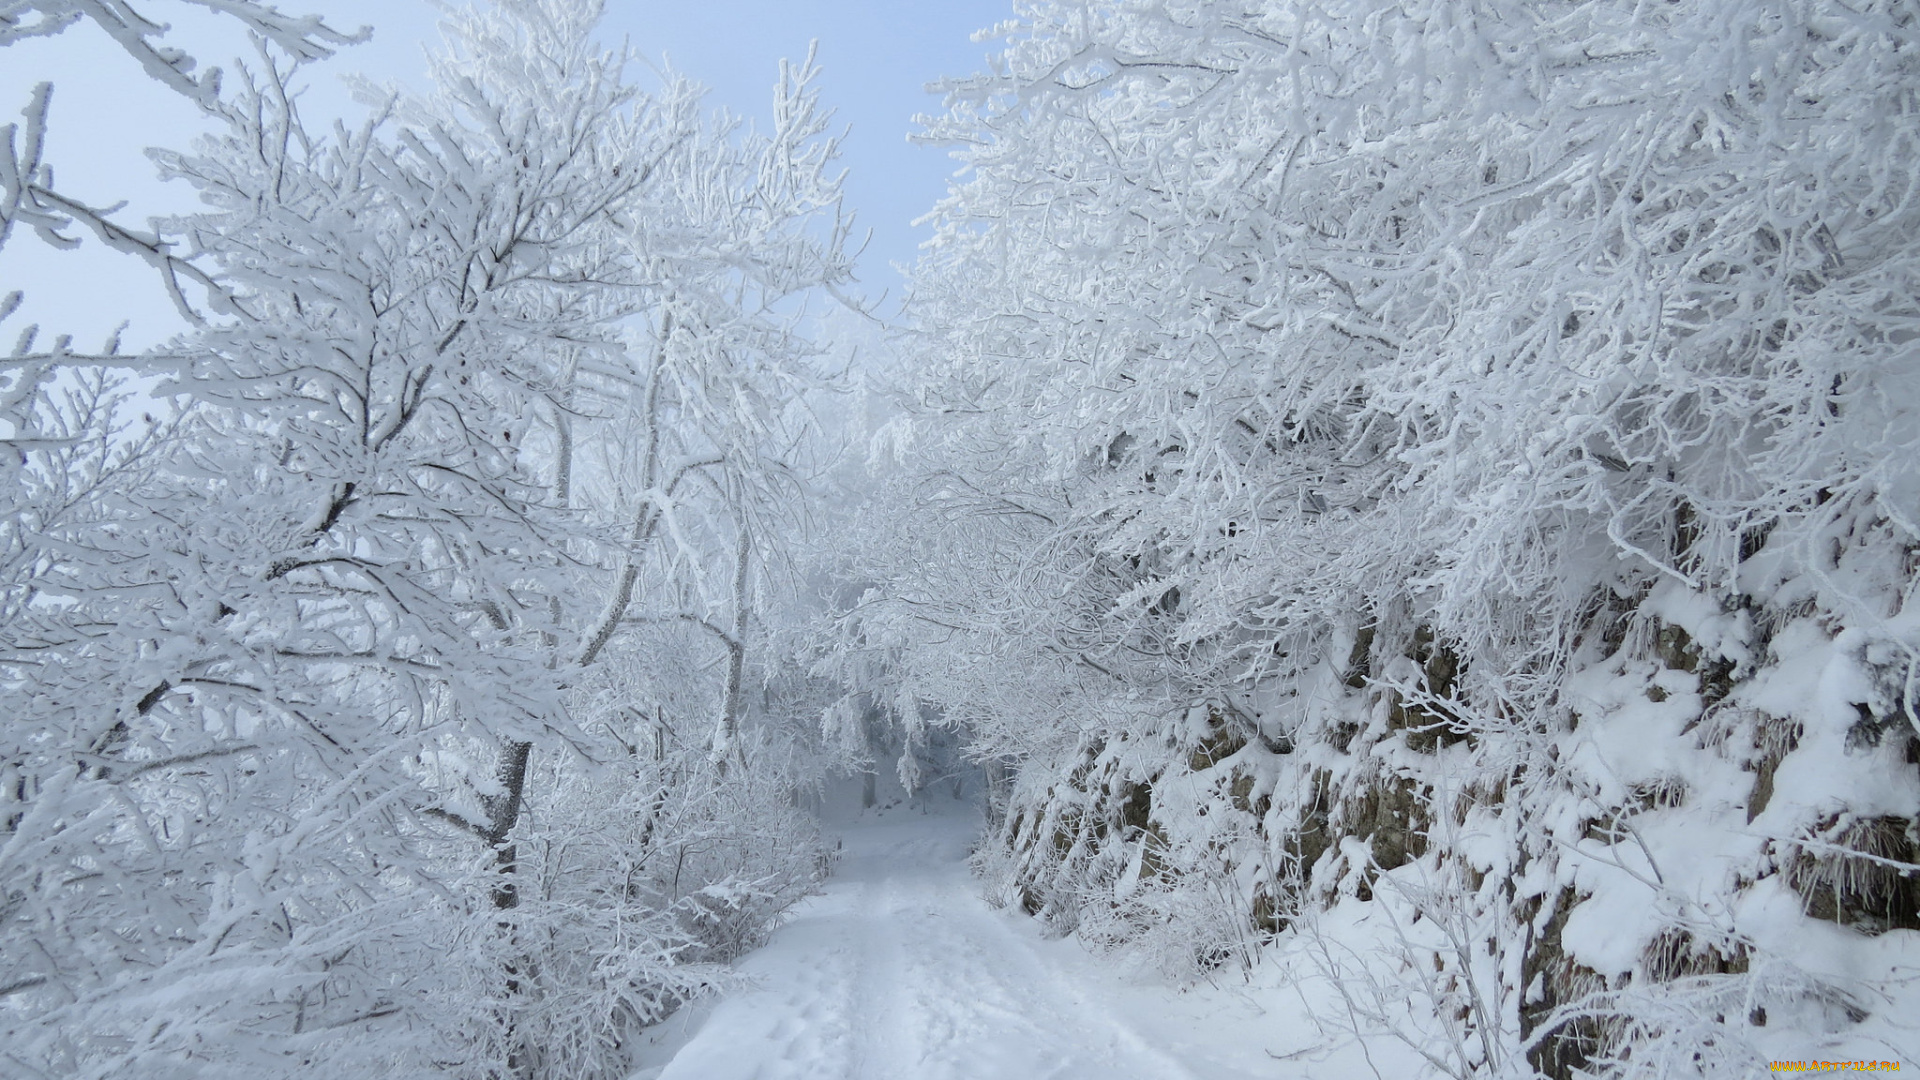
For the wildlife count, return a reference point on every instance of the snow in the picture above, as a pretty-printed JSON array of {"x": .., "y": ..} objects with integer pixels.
[
  {"x": 900, "y": 969},
  {"x": 1408, "y": 506}
]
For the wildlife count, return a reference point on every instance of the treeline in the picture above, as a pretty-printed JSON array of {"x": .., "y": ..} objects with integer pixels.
[
  {"x": 1431, "y": 491},
  {"x": 376, "y": 656}
]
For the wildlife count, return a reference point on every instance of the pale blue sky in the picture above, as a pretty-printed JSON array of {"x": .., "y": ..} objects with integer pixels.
[{"x": 876, "y": 56}]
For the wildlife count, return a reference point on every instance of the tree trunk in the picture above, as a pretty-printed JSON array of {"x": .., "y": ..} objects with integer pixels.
[
  {"x": 870, "y": 719},
  {"x": 726, "y": 740},
  {"x": 999, "y": 779},
  {"x": 503, "y": 812}
]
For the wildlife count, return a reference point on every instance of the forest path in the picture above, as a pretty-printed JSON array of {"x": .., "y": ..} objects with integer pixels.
[{"x": 899, "y": 970}]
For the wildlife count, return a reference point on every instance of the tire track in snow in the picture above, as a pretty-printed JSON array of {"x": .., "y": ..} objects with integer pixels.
[
  {"x": 876, "y": 1008},
  {"x": 991, "y": 1007},
  {"x": 900, "y": 970}
]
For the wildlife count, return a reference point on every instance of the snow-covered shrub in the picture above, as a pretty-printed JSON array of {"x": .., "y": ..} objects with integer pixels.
[{"x": 640, "y": 880}]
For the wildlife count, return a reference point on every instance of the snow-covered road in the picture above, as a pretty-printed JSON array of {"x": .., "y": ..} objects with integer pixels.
[{"x": 900, "y": 971}]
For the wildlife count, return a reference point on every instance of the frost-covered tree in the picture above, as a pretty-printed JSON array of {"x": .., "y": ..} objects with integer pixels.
[
  {"x": 1425, "y": 456},
  {"x": 36, "y": 414},
  {"x": 289, "y": 688},
  {"x": 28, "y": 194},
  {"x": 689, "y": 453}
]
